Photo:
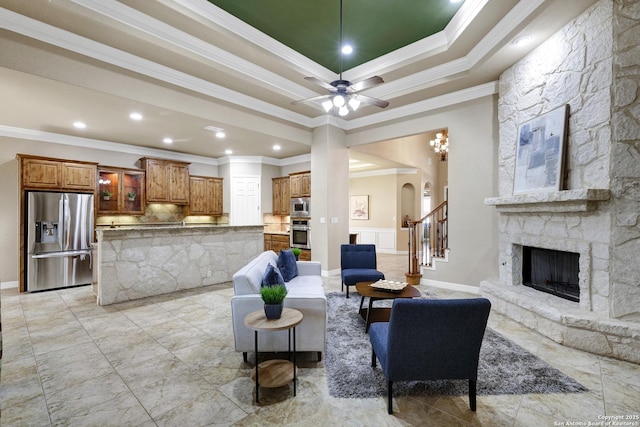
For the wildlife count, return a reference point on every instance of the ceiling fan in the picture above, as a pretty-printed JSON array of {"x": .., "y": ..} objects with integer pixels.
[{"x": 343, "y": 93}]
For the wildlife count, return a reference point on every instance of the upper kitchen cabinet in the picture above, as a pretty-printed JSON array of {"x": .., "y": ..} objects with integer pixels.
[
  {"x": 206, "y": 196},
  {"x": 56, "y": 174},
  {"x": 281, "y": 195},
  {"x": 300, "y": 184},
  {"x": 167, "y": 181},
  {"x": 121, "y": 191}
]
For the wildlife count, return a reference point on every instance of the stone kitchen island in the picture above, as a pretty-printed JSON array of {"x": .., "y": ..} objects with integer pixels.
[{"x": 139, "y": 261}]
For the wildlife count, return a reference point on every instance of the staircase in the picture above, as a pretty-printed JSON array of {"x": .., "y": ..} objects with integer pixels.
[{"x": 428, "y": 240}]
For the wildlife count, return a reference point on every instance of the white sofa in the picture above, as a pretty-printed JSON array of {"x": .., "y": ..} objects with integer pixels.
[{"x": 305, "y": 293}]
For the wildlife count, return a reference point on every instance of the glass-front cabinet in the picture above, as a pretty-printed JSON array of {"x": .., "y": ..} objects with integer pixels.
[{"x": 121, "y": 191}]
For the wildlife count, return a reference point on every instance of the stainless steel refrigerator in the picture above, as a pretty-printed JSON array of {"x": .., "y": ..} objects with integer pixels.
[{"x": 58, "y": 238}]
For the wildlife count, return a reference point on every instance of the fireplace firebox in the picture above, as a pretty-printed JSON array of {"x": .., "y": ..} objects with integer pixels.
[{"x": 551, "y": 271}]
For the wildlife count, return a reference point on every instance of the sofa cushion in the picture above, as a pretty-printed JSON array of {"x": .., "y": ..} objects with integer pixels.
[
  {"x": 287, "y": 264},
  {"x": 271, "y": 276}
]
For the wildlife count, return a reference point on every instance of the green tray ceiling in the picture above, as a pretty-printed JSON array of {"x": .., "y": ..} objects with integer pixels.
[{"x": 373, "y": 27}]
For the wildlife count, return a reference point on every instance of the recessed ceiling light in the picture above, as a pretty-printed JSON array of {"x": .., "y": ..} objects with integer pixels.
[
  {"x": 219, "y": 132},
  {"x": 168, "y": 141},
  {"x": 79, "y": 125},
  {"x": 228, "y": 152},
  {"x": 276, "y": 147},
  {"x": 522, "y": 40},
  {"x": 347, "y": 49},
  {"x": 135, "y": 116}
]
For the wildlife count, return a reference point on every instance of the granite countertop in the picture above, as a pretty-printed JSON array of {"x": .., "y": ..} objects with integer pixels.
[
  {"x": 166, "y": 226},
  {"x": 283, "y": 233}
]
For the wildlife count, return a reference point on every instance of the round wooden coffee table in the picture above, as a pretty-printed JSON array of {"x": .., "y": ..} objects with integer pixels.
[
  {"x": 277, "y": 372},
  {"x": 372, "y": 314}
]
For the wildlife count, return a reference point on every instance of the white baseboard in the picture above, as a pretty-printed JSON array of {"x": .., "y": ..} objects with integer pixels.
[
  {"x": 451, "y": 286},
  {"x": 9, "y": 285}
]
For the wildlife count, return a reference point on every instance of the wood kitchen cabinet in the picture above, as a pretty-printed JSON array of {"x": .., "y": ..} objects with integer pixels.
[
  {"x": 56, "y": 174},
  {"x": 121, "y": 191},
  {"x": 205, "y": 196},
  {"x": 281, "y": 195},
  {"x": 276, "y": 242},
  {"x": 300, "y": 184},
  {"x": 167, "y": 181}
]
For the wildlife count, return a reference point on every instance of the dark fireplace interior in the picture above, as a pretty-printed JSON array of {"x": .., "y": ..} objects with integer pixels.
[{"x": 554, "y": 272}]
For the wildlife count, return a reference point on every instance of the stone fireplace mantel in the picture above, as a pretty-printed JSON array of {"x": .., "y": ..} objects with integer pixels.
[{"x": 581, "y": 200}]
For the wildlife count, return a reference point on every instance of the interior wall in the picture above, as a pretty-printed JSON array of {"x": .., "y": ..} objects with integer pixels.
[
  {"x": 329, "y": 172},
  {"x": 381, "y": 191},
  {"x": 472, "y": 166}
]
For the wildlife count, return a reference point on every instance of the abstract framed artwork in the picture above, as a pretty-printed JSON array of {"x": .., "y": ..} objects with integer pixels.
[
  {"x": 359, "y": 207},
  {"x": 540, "y": 152}
]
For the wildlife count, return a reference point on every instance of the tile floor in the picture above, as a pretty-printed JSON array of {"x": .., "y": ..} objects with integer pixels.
[{"x": 169, "y": 360}]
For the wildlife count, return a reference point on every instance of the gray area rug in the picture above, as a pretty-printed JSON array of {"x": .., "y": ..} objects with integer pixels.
[{"x": 505, "y": 367}]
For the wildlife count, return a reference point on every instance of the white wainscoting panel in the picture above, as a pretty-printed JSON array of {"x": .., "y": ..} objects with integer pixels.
[{"x": 383, "y": 238}]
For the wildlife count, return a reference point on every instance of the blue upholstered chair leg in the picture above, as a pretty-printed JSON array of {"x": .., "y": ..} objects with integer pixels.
[
  {"x": 390, "y": 397},
  {"x": 472, "y": 394}
]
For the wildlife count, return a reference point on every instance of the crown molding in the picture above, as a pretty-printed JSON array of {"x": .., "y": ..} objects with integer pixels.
[
  {"x": 421, "y": 49},
  {"x": 381, "y": 172},
  {"x": 222, "y": 18},
  {"x": 424, "y": 106},
  {"x": 138, "y": 21},
  {"x": 427, "y": 78},
  {"x": 64, "y": 39},
  {"x": 98, "y": 144}
]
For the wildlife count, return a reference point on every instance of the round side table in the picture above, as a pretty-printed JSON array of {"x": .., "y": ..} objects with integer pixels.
[{"x": 277, "y": 372}]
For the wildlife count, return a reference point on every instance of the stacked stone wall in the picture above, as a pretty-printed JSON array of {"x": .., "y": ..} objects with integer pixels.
[
  {"x": 572, "y": 67},
  {"x": 625, "y": 162}
]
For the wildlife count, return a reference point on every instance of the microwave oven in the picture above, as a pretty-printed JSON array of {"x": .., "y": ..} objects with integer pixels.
[{"x": 300, "y": 207}]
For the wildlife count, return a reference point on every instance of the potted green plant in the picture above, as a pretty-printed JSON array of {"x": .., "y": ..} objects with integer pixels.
[
  {"x": 296, "y": 252},
  {"x": 131, "y": 195},
  {"x": 273, "y": 297},
  {"x": 106, "y": 194}
]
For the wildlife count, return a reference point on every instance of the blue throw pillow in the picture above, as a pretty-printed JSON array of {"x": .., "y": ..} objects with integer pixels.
[
  {"x": 271, "y": 276},
  {"x": 287, "y": 264}
]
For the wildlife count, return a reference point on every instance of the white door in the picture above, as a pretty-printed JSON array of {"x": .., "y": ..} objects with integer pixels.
[{"x": 245, "y": 200}]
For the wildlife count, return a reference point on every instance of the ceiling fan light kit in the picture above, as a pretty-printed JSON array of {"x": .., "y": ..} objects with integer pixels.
[{"x": 343, "y": 96}]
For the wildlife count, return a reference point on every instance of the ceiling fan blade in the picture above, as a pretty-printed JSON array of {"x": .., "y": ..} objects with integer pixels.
[
  {"x": 366, "y": 83},
  {"x": 320, "y": 83},
  {"x": 373, "y": 101},
  {"x": 313, "y": 98}
]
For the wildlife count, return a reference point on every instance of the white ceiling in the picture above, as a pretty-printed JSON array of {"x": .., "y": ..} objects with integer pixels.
[{"x": 186, "y": 64}]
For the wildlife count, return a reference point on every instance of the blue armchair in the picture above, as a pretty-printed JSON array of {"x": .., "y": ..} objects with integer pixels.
[
  {"x": 430, "y": 340},
  {"x": 358, "y": 264}
]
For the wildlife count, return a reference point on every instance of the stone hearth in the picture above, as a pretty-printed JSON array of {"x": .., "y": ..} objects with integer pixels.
[{"x": 592, "y": 65}]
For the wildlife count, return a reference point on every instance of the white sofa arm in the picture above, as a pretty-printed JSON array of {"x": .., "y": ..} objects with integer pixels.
[{"x": 309, "y": 268}]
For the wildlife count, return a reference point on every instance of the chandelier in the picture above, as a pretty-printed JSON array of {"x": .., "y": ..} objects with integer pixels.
[{"x": 440, "y": 145}]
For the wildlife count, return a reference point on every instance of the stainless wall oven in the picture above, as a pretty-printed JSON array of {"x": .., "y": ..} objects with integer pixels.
[{"x": 300, "y": 232}]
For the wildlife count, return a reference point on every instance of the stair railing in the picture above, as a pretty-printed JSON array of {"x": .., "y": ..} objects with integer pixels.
[{"x": 428, "y": 239}]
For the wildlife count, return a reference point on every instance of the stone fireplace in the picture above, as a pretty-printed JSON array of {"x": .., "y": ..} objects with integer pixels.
[{"x": 592, "y": 65}]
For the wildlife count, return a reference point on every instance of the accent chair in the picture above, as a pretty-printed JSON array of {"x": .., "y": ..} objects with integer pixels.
[
  {"x": 430, "y": 340},
  {"x": 358, "y": 263}
]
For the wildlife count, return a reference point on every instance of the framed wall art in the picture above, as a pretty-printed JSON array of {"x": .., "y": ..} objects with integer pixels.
[
  {"x": 359, "y": 207},
  {"x": 540, "y": 152}
]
